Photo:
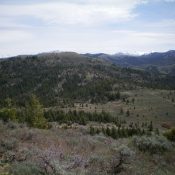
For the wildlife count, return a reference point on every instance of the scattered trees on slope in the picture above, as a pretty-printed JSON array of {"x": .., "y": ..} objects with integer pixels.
[{"x": 32, "y": 114}]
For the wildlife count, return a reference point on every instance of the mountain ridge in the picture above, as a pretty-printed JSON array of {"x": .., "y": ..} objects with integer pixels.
[
  {"x": 163, "y": 61},
  {"x": 55, "y": 77}
]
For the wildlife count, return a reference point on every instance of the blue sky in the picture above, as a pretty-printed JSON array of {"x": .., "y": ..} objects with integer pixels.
[{"x": 110, "y": 26}]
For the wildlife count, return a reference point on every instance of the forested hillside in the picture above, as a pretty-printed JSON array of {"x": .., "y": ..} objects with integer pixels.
[{"x": 66, "y": 77}]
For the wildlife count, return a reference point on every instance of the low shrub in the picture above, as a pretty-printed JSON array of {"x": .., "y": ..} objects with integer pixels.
[
  {"x": 8, "y": 114},
  {"x": 12, "y": 125},
  {"x": 27, "y": 135},
  {"x": 8, "y": 156},
  {"x": 8, "y": 144},
  {"x": 25, "y": 169},
  {"x": 166, "y": 125},
  {"x": 121, "y": 158},
  {"x": 170, "y": 135},
  {"x": 152, "y": 144}
]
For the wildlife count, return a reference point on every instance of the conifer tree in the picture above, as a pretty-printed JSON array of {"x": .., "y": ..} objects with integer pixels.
[
  {"x": 127, "y": 113},
  {"x": 114, "y": 133},
  {"x": 92, "y": 130},
  {"x": 150, "y": 127},
  {"x": 34, "y": 113},
  {"x": 108, "y": 131},
  {"x": 121, "y": 111}
]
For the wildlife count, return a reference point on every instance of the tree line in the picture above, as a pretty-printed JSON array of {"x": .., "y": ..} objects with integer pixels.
[
  {"x": 81, "y": 117},
  {"x": 34, "y": 115},
  {"x": 123, "y": 132}
]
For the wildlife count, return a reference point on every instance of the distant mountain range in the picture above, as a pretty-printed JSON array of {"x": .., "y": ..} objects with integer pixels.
[{"x": 163, "y": 62}]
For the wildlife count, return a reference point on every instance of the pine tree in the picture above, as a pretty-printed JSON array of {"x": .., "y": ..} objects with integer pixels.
[
  {"x": 108, "y": 131},
  {"x": 8, "y": 102},
  {"x": 92, "y": 130},
  {"x": 121, "y": 111},
  {"x": 127, "y": 113},
  {"x": 118, "y": 95},
  {"x": 133, "y": 100},
  {"x": 35, "y": 114},
  {"x": 150, "y": 127},
  {"x": 114, "y": 133},
  {"x": 103, "y": 130},
  {"x": 157, "y": 131},
  {"x": 98, "y": 131},
  {"x": 8, "y": 112},
  {"x": 123, "y": 133},
  {"x": 143, "y": 131},
  {"x": 119, "y": 132}
]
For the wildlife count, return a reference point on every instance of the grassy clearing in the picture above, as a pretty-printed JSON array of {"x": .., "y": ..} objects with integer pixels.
[{"x": 149, "y": 105}]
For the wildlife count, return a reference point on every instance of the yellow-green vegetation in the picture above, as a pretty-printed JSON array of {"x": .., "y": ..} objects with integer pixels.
[
  {"x": 8, "y": 114},
  {"x": 34, "y": 113},
  {"x": 170, "y": 134}
]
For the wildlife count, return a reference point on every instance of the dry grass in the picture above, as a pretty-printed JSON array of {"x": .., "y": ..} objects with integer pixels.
[{"x": 149, "y": 105}]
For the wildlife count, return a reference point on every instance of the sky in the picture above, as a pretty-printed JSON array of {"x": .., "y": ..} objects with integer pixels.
[{"x": 86, "y": 26}]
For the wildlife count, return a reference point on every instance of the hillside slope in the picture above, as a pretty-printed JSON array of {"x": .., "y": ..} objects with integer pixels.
[{"x": 56, "y": 77}]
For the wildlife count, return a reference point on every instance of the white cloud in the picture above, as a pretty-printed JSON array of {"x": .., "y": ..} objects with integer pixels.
[
  {"x": 169, "y": 0},
  {"x": 14, "y": 36},
  {"x": 75, "y": 12},
  {"x": 79, "y": 41},
  {"x": 81, "y": 26}
]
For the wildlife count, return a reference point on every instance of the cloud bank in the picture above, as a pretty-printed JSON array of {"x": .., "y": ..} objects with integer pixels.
[{"x": 83, "y": 26}]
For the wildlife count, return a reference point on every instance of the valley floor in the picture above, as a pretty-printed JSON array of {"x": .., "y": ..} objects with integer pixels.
[
  {"x": 149, "y": 105},
  {"x": 70, "y": 149}
]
